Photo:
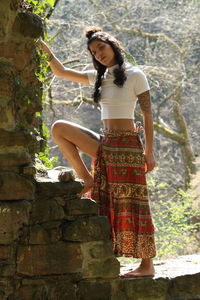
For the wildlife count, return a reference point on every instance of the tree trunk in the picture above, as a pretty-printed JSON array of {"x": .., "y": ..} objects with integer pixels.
[{"x": 186, "y": 148}]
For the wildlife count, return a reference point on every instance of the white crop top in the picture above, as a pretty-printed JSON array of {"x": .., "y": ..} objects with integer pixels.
[{"x": 119, "y": 102}]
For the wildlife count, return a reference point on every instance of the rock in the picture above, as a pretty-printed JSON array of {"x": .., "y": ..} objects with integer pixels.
[
  {"x": 50, "y": 188},
  {"x": 39, "y": 260},
  {"x": 28, "y": 24},
  {"x": 46, "y": 289},
  {"x": 146, "y": 288},
  {"x": 95, "y": 290},
  {"x": 66, "y": 176},
  {"x": 6, "y": 254},
  {"x": 87, "y": 229},
  {"x": 14, "y": 4},
  {"x": 6, "y": 85},
  {"x": 29, "y": 170},
  {"x": 44, "y": 210},
  {"x": 99, "y": 260},
  {"x": 4, "y": 20},
  {"x": 38, "y": 235},
  {"x": 185, "y": 287},
  {"x": 54, "y": 230},
  {"x": 14, "y": 159},
  {"x": 7, "y": 259},
  {"x": 15, "y": 187},
  {"x": 16, "y": 138},
  {"x": 13, "y": 216},
  {"x": 83, "y": 206}
]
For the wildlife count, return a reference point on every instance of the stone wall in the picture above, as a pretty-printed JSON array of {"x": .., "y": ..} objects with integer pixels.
[
  {"x": 56, "y": 247},
  {"x": 20, "y": 90}
]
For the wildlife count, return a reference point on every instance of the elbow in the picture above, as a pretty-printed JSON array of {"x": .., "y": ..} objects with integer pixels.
[
  {"x": 147, "y": 115},
  {"x": 58, "y": 71}
]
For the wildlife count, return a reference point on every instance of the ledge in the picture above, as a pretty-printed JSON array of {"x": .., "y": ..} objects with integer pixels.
[{"x": 176, "y": 279}]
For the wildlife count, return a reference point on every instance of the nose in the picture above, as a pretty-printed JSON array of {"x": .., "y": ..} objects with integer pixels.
[{"x": 98, "y": 55}]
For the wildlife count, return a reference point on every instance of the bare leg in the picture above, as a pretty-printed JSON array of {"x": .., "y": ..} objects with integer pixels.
[
  {"x": 69, "y": 136},
  {"x": 146, "y": 268}
]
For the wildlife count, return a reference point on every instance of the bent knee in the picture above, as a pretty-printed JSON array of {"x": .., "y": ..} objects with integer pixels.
[{"x": 57, "y": 127}]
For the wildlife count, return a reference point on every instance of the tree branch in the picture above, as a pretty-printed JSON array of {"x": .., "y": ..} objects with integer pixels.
[
  {"x": 153, "y": 36},
  {"x": 166, "y": 132}
]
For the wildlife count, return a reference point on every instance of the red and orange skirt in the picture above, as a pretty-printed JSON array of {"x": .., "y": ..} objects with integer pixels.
[{"x": 120, "y": 189}]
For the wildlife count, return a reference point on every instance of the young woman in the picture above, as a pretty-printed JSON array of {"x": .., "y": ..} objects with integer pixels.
[{"x": 120, "y": 163}]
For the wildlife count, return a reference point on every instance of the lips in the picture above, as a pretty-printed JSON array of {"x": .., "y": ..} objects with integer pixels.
[{"x": 103, "y": 58}]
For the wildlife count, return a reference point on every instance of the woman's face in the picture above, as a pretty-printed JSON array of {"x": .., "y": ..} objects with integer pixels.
[{"x": 103, "y": 53}]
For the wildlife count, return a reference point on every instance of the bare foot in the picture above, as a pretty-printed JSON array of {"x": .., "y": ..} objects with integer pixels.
[
  {"x": 146, "y": 269},
  {"x": 88, "y": 184}
]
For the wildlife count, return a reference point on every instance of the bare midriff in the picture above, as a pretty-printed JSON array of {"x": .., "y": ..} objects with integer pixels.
[{"x": 118, "y": 124}]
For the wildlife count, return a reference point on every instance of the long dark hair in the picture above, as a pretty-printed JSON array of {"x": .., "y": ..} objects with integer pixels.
[{"x": 96, "y": 33}]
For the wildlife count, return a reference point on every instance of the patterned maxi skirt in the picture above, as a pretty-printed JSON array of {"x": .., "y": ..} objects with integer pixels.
[{"x": 120, "y": 190}]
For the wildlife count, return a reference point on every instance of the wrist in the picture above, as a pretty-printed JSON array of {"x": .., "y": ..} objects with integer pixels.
[
  {"x": 148, "y": 152},
  {"x": 50, "y": 57}
]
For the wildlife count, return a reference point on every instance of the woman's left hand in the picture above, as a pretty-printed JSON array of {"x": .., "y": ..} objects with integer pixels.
[{"x": 150, "y": 162}]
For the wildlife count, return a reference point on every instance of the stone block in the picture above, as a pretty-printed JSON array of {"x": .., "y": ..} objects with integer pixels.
[
  {"x": 49, "y": 188},
  {"x": 46, "y": 210},
  {"x": 12, "y": 218},
  {"x": 61, "y": 290},
  {"x": 17, "y": 140},
  {"x": 7, "y": 261},
  {"x": 185, "y": 287},
  {"x": 57, "y": 289},
  {"x": 28, "y": 24},
  {"x": 54, "y": 230},
  {"x": 95, "y": 290},
  {"x": 83, "y": 206},
  {"x": 7, "y": 118},
  {"x": 4, "y": 20},
  {"x": 20, "y": 55},
  {"x": 26, "y": 293},
  {"x": 6, "y": 87},
  {"x": 29, "y": 170},
  {"x": 99, "y": 260},
  {"x": 7, "y": 270},
  {"x": 6, "y": 288},
  {"x": 52, "y": 259},
  {"x": 87, "y": 229},
  {"x": 15, "y": 187},
  {"x": 145, "y": 288},
  {"x": 38, "y": 235},
  {"x": 14, "y": 4},
  {"x": 14, "y": 159},
  {"x": 6, "y": 254}
]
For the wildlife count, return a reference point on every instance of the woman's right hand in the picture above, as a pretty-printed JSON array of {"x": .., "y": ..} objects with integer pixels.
[{"x": 43, "y": 46}]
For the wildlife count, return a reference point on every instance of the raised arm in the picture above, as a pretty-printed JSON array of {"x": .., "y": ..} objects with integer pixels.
[
  {"x": 59, "y": 70},
  {"x": 145, "y": 105}
]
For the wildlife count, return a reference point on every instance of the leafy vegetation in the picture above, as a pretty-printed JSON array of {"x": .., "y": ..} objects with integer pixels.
[
  {"x": 43, "y": 157},
  {"x": 40, "y": 7},
  {"x": 172, "y": 216}
]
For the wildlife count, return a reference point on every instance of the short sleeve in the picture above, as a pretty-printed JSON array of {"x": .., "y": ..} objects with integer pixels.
[
  {"x": 91, "y": 76},
  {"x": 141, "y": 82}
]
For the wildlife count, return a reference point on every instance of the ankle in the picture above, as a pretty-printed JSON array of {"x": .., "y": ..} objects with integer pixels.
[
  {"x": 147, "y": 262},
  {"x": 86, "y": 176}
]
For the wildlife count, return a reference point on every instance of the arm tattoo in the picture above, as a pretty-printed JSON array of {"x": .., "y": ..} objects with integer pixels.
[{"x": 145, "y": 102}]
